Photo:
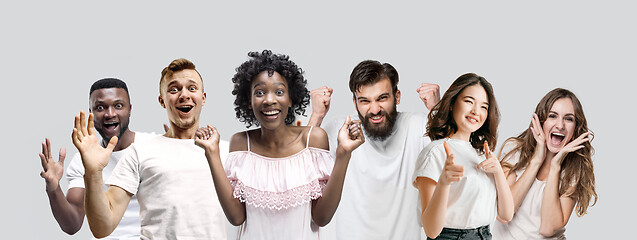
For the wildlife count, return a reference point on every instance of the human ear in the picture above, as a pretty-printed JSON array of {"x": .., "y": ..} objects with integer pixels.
[{"x": 161, "y": 101}]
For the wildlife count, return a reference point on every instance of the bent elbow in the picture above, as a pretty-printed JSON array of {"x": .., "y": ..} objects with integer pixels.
[
  {"x": 236, "y": 221},
  {"x": 431, "y": 233},
  {"x": 547, "y": 231},
  {"x": 322, "y": 221}
]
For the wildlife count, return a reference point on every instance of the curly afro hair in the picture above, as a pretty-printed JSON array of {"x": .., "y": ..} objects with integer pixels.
[{"x": 267, "y": 61}]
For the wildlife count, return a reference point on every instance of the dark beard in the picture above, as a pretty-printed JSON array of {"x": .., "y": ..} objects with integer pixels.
[{"x": 383, "y": 132}]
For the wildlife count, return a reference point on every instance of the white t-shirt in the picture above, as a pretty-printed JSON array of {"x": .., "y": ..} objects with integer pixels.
[
  {"x": 128, "y": 228},
  {"x": 378, "y": 201},
  {"x": 173, "y": 184},
  {"x": 472, "y": 200},
  {"x": 526, "y": 221}
]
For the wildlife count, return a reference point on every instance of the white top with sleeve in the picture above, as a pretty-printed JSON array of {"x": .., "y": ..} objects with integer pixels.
[
  {"x": 472, "y": 200},
  {"x": 173, "y": 184},
  {"x": 526, "y": 221},
  {"x": 128, "y": 227},
  {"x": 378, "y": 201},
  {"x": 278, "y": 192}
]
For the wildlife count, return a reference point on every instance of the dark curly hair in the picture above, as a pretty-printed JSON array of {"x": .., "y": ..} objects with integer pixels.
[
  {"x": 441, "y": 124},
  {"x": 267, "y": 61}
]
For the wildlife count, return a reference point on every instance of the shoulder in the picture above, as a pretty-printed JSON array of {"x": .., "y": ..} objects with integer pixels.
[
  {"x": 318, "y": 138},
  {"x": 238, "y": 142},
  {"x": 433, "y": 147}
]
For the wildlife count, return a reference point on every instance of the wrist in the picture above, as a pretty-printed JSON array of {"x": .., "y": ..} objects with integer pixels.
[
  {"x": 53, "y": 191},
  {"x": 342, "y": 153}
]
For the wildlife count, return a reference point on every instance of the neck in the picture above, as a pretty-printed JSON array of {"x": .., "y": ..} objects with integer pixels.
[
  {"x": 458, "y": 135},
  {"x": 123, "y": 141},
  {"x": 181, "y": 133},
  {"x": 275, "y": 137}
]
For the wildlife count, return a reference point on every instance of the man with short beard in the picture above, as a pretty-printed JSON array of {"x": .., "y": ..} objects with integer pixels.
[
  {"x": 110, "y": 103},
  {"x": 169, "y": 173},
  {"x": 378, "y": 200}
]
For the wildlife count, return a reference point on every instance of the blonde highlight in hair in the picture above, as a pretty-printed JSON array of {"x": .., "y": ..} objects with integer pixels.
[
  {"x": 176, "y": 66},
  {"x": 577, "y": 167}
]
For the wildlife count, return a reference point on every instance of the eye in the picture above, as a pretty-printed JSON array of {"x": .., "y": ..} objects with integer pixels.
[
  {"x": 173, "y": 90},
  {"x": 119, "y": 106},
  {"x": 485, "y": 107},
  {"x": 552, "y": 116},
  {"x": 279, "y": 92},
  {"x": 99, "y": 108},
  {"x": 258, "y": 93},
  {"x": 192, "y": 88},
  {"x": 468, "y": 101},
  {"x": 570, "y": 119}
]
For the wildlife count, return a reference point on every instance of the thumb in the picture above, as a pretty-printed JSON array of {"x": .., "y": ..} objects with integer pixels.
[
  {"x": 348, "y": 120},
  {"x": 111, "y": 144}
]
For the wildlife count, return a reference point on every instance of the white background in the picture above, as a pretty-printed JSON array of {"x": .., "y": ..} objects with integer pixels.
[{"x": 52, "y": 51}]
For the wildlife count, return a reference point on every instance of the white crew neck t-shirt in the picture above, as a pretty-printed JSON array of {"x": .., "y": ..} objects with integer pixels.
[
  {"x": 128, "y": 227},
  {"x": 174, "y": 187},
  {"x": 472, "y": 200}
]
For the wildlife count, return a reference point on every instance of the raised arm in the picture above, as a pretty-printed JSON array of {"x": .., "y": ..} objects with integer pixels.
[
  {"x": 320, "y": 99},
  {"x": 429, "y": 93},
  {"x": 434, "y": 196},
  {"x": 556, "y": 210},
  {"x": 104, "y": 210},
  {"x": 492, "y": 166},
  {"x": 350, "y": 136},
  {"x": 67, "y": 210},
  {"x": 520, "y": 186},
  {"x": 208, "y": 139}
]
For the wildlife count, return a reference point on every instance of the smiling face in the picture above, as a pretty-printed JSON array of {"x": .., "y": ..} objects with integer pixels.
[
  {"x": 182, "y": 95},
  {"x": 111, "y": 108},
  {"x": 470, "y": 111},
  {"x": 376, "y": 107},
  {"x": 270, "y": 100},
  {"x": 559, "y": 125}
]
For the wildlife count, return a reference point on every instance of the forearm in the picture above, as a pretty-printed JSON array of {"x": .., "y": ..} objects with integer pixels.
[
  {"x": 97, "y": 206},
  {"x": 435, "y": 213},
  {"x": 66, "y": 215},
  {"x": 316, "y": 119},
  {"x": 232, "y": 207},
  {"x": 551, "y": 215},
  {"x": 504, "y": 197},
  {"x": 521, "y": 186},
  {"x": 324, "y": 207}
]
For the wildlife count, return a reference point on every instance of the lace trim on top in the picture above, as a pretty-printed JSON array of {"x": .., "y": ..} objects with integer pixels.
[{"x": 278, "y": 200}]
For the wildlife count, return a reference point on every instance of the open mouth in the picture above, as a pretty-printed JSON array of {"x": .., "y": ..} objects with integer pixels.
[
  {"x": 557, "y": 138},
  {"x": 377, "y": 118},
  {"x": 111, "y": 125},
  {"x": 472, "y": 120},
  {"x": 184, "y": 109},
  {"x": 271, "y": 113}
]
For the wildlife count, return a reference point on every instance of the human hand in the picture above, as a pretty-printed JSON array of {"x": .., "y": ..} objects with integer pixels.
[
  {"x": 491, "y": 164},
  {"x": 540, "y": 139},
  {"x": 451, "y": 172},
  {"x": 429, "y": 94},
  {"x": 320, "y": 99},
  {"x": 53, "y": 171},
  {"x": 94, "y": 156},
  {"x": 207, "y": 138},
  {"x": 350, "y": 136},
  {"x": 572, "y": 146},
  {"x": 166, "y": 128}
]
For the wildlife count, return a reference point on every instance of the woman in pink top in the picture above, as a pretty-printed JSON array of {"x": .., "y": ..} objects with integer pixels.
[{"x": 275, "y": 183}]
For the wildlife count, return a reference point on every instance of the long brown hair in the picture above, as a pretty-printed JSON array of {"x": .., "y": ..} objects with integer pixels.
[
  {"x": 440, "y": 122},
  {"x": 577, "y": 167}
]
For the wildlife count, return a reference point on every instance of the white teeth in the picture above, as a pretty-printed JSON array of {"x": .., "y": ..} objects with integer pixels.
[
  {"x": 558, "y": 134},
  {"x": 271, "y": 112},
  {"x": 377, "y": 117},
  {"x": 472, "y": 119}
]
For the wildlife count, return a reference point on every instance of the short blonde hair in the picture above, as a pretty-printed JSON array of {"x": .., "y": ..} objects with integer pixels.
[{"x": 176, "y": 66}]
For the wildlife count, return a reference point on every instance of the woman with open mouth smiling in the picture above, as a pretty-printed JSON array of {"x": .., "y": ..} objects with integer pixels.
[
  {"x": 275, "y": 183},
  {"x": 550, "y": 169}
]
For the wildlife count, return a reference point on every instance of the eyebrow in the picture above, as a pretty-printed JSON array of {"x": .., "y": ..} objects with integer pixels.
[
  {"x": 385, "y": 94},
  {"x": 474, "y": 99},
  {"x": 176, "y": 82},
  {"x": 263, "y": 83},
  {"x": 568, "y": 114}
]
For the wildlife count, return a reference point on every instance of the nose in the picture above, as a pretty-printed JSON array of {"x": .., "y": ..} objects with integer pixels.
[
  {"x": 375, "y": 108},
  {"x": 269, "y": 98},
  {"x": 184, "y": 95},
  {"x": 474, "y": 109},
  {"x": 110, "y": 111},
  {"x": 560, "y": 124}
]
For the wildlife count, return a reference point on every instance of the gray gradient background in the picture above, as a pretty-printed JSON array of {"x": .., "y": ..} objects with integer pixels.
[{"x": 53, "y": 51}]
